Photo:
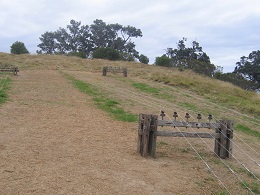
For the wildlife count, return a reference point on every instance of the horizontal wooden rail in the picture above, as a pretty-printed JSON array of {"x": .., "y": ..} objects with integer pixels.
[
  {"x": 188, "y": 124},
  {"x": 187, "y": 134},
  {"x": 115, "y": 70},
  {"x": 9, "y": 69}
]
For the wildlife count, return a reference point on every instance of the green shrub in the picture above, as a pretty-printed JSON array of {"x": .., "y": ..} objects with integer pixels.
[{"x": 106, "y": 53}]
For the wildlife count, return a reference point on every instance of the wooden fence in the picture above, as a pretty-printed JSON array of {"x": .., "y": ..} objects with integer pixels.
[
  {"x": 147, "y": 134},
  {"x": 114, "y": 70},
  {"x": 12, "y": 69}
]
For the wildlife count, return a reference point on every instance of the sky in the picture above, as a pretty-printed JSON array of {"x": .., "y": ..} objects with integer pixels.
[{"x": 225, "y": 29}]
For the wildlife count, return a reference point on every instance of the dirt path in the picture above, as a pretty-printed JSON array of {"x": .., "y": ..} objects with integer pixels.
[{"x": 53, "y": 140}]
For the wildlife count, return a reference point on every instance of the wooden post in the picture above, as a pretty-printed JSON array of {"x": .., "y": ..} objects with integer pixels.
[
  {"x": 140, "y": 133},
  {"x": 143, "y": 134},
  {"x": 230, "y": 125},
  {"x": 147, "y": 135},
  {"x": 125, "y": 72},
  {"x": 153, "y": 136},
  {"x": 104, "y": 71},
  {"x": 223, "y": 145}
]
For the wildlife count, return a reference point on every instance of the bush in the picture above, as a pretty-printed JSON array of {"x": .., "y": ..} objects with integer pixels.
[
  {"x": 163, "y": 61},
  {"x": 18, "y": 48},
  {"x": 77, "y": 54},
  {"x": 106, "y": 53},
  {"x": 143, "y": 59}
]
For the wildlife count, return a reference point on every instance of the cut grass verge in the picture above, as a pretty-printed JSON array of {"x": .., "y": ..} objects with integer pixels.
[
  {"x": 146, "y": 88},
  {"x": 154, "y": 91},
  {"x": 4, "y": 87},
  {"x": 109, "y": 105},
  {"x": 247, "y": 130}
]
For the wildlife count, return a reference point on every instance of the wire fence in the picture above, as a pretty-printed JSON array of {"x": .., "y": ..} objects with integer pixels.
[{"x": 146, "y": 100}]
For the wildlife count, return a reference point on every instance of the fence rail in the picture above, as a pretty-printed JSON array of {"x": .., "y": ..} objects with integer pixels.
[
  {"x": 114, "y": 70},
  {"x": 12, "y": 69},
  {"x": 147, "y": 134}
]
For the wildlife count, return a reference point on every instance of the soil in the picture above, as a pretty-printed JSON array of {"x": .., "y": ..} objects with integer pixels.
[{"x": 54, "y": 140}]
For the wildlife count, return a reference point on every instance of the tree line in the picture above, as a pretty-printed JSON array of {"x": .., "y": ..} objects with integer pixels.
[
  {"x": 114, "y": 42},
  {"x": 100, "y": 40},
  {"x": 245, "y": 75}
]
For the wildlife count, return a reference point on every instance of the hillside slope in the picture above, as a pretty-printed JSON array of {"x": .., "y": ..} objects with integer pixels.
[{"x": 55, "y": 137}]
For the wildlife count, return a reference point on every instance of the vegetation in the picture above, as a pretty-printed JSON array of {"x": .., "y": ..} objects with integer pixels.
[
  {"x": 87, "y": 38},
  {"x": 236, "y": 79},
  {"x": 143, "y": 59},
  {"x": 163, "y": 61},
  {"x": 187, "y": 85},
  {"x": 109, "y": 105},
  {"x": 4, "y": 87},
  {"x": 106, "y": 53},
  {"x": 247, "y": 130},
  {"x": 249, "y": 67},
  {"x": 18, "y": 48},
  {"x": 144, "y": 87},
  {"x": 183, "y": 57},
  {"x": 216, "y": 91}
]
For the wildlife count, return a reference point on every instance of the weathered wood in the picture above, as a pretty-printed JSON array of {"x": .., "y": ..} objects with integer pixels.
[
  {"x": 188, "y": 124},
  {"x": 104, "y": 71},
  {"x": 217, "y": 142},
  {"x": 223, "y": 145},
  {"x": 188, "y": 134},
  {"x": 147, "y": 134},
  {"x": 229, "y": 147},
  {"x": 15, "y": 70},
  {"x": 153, "y": 136},
  {"x": 115, "y": 70},
  {"x": 223, "y": 139}
]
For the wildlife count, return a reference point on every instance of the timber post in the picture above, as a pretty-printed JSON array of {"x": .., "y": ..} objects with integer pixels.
[
  {"x": 125, "y": 72},
  {"x": 147, "y": 135},
  {"x": 104, "y": 71},
  {"x": 223, "y": 145}
]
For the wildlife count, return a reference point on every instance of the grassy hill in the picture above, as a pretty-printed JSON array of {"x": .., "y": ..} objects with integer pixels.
[
  {"x": 187, "y": 82},
  {"x": 149, "y": 89}
]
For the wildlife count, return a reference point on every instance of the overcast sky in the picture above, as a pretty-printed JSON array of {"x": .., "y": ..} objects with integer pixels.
[{"x": 226, "y": 29}]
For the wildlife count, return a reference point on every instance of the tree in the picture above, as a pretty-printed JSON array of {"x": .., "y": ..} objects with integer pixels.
[
  {"x": 249, "y": 67},
  {"x": 18, "y": 48},
  {"x": 86, "y": 39},
  {"x": 143, "y": 59},
  {"x": 163, "y": 61},
  {"x": 193, "y": 58}
]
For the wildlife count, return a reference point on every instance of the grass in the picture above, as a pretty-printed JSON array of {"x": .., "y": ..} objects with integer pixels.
[
  {"x": 216, "y": 91},
  {"x": 220, "y": 193},
  {"x": 146, "y": 88},
  {"x": 253, "y": 186},
  {"x": 4, "y": 87},
  {"x": 247, "y": 130},
  {"x": 154, "y": 91},
  {"x": 109, "y": 105},
  {"x": 188, "y": 106}
]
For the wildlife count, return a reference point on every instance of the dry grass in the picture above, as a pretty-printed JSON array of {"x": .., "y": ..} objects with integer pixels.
[
  {"x": 185, "y": 91},
  {"x": 188, "y": 82}
]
